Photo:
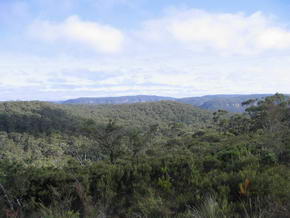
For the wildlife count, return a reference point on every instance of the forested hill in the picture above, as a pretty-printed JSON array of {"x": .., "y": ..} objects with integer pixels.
[
  {"x": 144, "y": 114},
  {"x": 232, "y": 103},
  {"x": 38, "y": 117}
]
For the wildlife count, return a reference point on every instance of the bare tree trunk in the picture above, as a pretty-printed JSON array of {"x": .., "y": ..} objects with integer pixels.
[{"x": 7, "y": 197}]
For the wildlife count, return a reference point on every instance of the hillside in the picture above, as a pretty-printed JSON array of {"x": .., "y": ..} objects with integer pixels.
[
  {"x": 38, "y": 117},
  {"x": 230, "y": 103},
  {"x": 141, "y": 114}
]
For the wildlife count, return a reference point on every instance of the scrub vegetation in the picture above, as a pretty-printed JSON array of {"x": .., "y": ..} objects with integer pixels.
[{"x": 161, "y": 159}]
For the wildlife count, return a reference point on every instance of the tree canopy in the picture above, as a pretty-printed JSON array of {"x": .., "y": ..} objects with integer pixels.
[{"x": 161, "y": 159}]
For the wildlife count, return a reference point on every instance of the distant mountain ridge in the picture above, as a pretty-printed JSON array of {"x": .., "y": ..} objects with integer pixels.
[
  {"x": 119, "y": 100},
  {"x": 232, "y": 103}
]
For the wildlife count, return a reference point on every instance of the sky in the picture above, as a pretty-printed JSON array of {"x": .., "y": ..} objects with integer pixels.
[{"x": 56, "y": 50}]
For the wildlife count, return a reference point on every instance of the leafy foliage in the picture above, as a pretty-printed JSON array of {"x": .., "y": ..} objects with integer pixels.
[{"x": 162, "y": 159}]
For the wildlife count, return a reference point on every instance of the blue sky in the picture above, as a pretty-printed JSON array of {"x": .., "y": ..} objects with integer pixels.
[{"x": 53, "y": 50}]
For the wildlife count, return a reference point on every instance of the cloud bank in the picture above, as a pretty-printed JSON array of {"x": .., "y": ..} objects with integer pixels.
[
  {"x": 225, "y": 33},
  {"x": 102, "y": 38}
]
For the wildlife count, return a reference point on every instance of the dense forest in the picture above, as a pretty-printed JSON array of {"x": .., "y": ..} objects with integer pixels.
[{"x": 160, "y": 159}]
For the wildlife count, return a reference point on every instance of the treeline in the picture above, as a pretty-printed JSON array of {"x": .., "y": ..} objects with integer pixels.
[{"x": 160, "y": 159}]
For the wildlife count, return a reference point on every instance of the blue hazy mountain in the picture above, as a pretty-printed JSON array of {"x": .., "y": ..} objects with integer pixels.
[
  {"x": 232, "y": 103},
  {"x": 119, "y": 100}
]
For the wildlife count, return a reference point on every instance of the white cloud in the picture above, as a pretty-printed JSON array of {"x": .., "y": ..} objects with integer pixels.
[
  {"x": 179, "y": 76},
  {"x": 102, "y": 38},
  {"x": 184, "y": 53},
  {"x": 226, "y": 33}
]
